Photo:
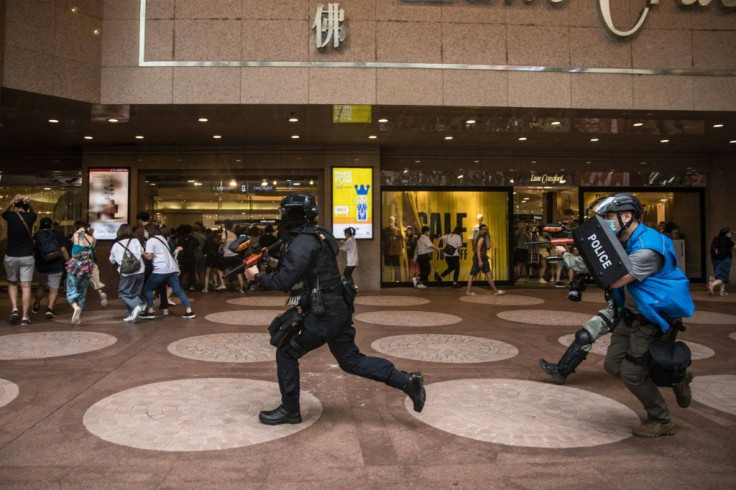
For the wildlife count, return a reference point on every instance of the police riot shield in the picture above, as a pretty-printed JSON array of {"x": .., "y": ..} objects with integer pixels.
[{"x": 602, "y": 251}]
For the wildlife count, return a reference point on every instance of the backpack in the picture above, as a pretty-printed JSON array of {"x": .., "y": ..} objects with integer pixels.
[
  {"x": 718, "y": 249},
  {"x": 47, "y": 245},
  {"x": 130, "y": 263}
]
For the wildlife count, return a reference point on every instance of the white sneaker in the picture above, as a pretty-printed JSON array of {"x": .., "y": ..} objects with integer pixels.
[
  {"x": 542, "y": 281},
  {"x": 469, "y": 293},
  {"x": 421, "y": 286},
  {"x": 103, "y": 300},
  {"x": 415, "y": 281},
  {"x": 165, "y": 312},
  {"x": 205, "y": 290},
  {"x": 134, "y": 314},
  {"x": 220, "y": 287},
  {"x": 77, "y": 315}
]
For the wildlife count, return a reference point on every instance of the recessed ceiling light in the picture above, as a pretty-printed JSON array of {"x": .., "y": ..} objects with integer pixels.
[
  {"x": 75, "y": 10},
  {"x": 297, "y": 183},
  {"x": 217, "y": 137},
  {"x": 417, "y": 161},
  {"x": 54, "y": 121},
  {"x": 588, "y": 162},
  {"x": 448, "y": 138},
  {"x": 233, "y": 183},
  {"x": 593, "y": 140},
  {"x": 556, "y": 123},
  {"x": 719, "y": 125},
  {"x": 732, "y": 141},
  {"x": 470, "y": 121},
  {"x": 139, "y": 137},
  {"x": 197, "y": 183},
  {"x": 383, "y": 120},
  {"x": 460, "y": 176},
  {"x": 523, "y": 138},
  {"x": 293, "y": 119},
  {"x": 274, "y": 182},
  {"x": 372, "y": 137},
  {"x": 295, "y": 136},
  {"x": 642, "y": 163},
  {"x": 264, "y": 183},
  {"x": 534, "y": 161},
  {"x": 88, "y": 137},
  {"x": 202, "y": 119},
  {"x": 311, "y": 182},
  {"x": 191, "y": 181},
  {"x": 96, "y": 32},
  {"x": 238, "y": 160},
  {"x": 638, "y": 124},
  {"x": 112, "y": 120},
  {"x": 47, "y": 188},
  {"x": 664, "y": 141},
  {"x": 476, "y": 161}
]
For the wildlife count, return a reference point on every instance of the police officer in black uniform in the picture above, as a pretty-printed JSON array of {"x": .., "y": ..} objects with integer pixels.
[{"x": 308, "y": 269}]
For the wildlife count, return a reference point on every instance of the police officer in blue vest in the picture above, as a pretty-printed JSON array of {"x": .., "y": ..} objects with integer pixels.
[
  {"x": 308, "y": 270},
  {"x": 655, "y": 295}
]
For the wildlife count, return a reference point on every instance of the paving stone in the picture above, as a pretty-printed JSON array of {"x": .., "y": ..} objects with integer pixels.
[
  {"x": 717, "y": 391},
  {"x": 408, "y": 318},
  {"x": 244, "y": 317},
  {"x": 445, "y": 348},
  {"x": 503, "y": 300},
  {"x": 710, "y": 318},
  {"x": 545, "y": 317},
  {"x": 260, "y": 301},
  {"x": 40, "y": 345},
  {"x": 8, "y": 391},
  {"x": 108, "y": 316},
  {"x": 225, "y": 347},
  {"x": 390, "y": 300}
]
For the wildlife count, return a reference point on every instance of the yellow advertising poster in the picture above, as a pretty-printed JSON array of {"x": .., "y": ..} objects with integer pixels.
[
  {"x": 344, "y": 113},
  {"x": 352, "y": 201}
]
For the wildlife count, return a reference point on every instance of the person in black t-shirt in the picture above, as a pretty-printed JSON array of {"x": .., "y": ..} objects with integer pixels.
[
  {"x": 49, "y": 271},
  {"x": 19, "y": 261}
]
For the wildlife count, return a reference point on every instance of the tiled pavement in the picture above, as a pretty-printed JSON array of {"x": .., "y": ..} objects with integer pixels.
[{"x": 173, "y": 403}]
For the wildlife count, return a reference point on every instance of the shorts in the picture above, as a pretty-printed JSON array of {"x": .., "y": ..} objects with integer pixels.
[
  {"x": 22, "y": 267},
  {"x": 94, "y": 279},
  {"x": 231, "y": 262},
  {"x": 49, "y": 279},
  {"x": 484, "y": 266},
  {"x": 391, "y": 260},
  {"x": 722, "y": 269}
]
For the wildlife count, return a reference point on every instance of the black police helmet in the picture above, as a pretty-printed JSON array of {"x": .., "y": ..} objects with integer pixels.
[
  {"x": 299, "y": 205},
  {"x": 619, "y": 203}
]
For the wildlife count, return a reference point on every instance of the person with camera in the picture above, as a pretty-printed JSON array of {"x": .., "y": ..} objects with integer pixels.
[
  {"x": 308, "y": 269},
  {"x": 19, "y": 262}
]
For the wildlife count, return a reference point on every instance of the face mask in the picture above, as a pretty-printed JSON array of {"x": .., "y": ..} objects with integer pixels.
[{"x": 612, "y": 224}]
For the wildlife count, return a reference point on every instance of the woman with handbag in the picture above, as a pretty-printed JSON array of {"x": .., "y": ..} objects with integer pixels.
[
  {"x": 79, "y": 269},
  {"x": 453, "y": 242},
  {"x": 424, "y": 254},
  {"x": 127, "y": 254}
]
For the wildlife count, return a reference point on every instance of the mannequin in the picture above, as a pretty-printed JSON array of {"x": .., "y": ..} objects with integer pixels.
[
  {"x": 393, "y": 246},
  {"x": 477, "y": 226}
]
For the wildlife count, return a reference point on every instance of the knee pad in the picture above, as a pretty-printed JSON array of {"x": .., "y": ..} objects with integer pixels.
[{"x": 583, "y": 337}]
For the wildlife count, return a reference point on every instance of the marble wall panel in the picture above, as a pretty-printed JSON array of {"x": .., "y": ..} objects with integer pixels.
[
  {"x": 30, "y": 24},
  {"x": 595, "y": 91},
  {"x": 657, "y": 49},
  {"x": 464, "y": 13},
  {"x": 714, "y": 50},
  {"x": 93, "y": 8},
  {"x": 359, "y": 45},
  {"x": 122, "y": 9},
  {"x": 669, "y": 15},
  {"x": 539, "y": 89},
  {"x": 663, "y": 92},
  {"x": 474, "y": 88},
  {"x": 283, "y": 9},
  {"x": 74, "y": 37},
  {"x": 270, "y": 85},
  {"x": 342, "y": 86},
  {"x": 206, "y": 85},
  {"x": 211, "y": 9},
  {"x": 207, "y": 40},
  {"x": 160, "y": 9},
  {"x": 590, "y": 47},
  {"x": 409, "y": 42},
  {"x": 78, "y": 81},
  {"x": 714, "y": 93},
  {"x": 539, "y": 13},
  {"x": 120, "y": 45},
  {"x": 412, "y": 87},
  {"x": 474, "y": 44},
  {"x": 159, "y": 40},
  {"x": 28, "y": 70},
  {"x": 398, "y": 11},
  {"x": 128, "y": 85},
  {"x": 275, "y": 40},
  {"x": 538, "y": 45}
]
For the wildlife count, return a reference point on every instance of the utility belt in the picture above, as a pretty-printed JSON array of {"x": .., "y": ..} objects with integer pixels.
[
  {"x": 284, "y": 328},
  {"x": 629, "y": 317}
]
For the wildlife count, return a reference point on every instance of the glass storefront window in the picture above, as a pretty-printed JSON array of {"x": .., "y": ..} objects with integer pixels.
[
  {"x": 441, "y": 211},
  {"x": 677, "y": 214}
]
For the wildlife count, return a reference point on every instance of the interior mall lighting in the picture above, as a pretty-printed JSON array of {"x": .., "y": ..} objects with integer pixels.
[
  {"x": 274, "y": 182},
  {"x": 88, "y": 137},
  {"x": 295, "y": 136},
  {"x": 54, "y": 121},
  {"x": 638, "y": 124},
  {"x": 664, "y": 141},
  {"x": 593, "y": 140},
  {"x": 197, "y": 183},
  {"x": 113, "y": 120},
  {"x": 202, "y": 119},
  {"x": 96, "y": 32},
  {"x": 264, "y": 183},
  {"x": 719, "y": 125},
  {"x": 191, "y": 181},
  {"x": 297, "y": 183},
  {"x": 732, "y": 141},
  {"x": 470, "y": 121},
  {"x": 522, "y": 138},
  {"x": 233, "y": 183},
  {"x": 372, "y": 137},
  {"x": 311, "y": 182},
  {"x": 383, "y": 120},
  {"x": 448, "y": 138},
  {"x": 556, "y": 123},
  {"x": 139, "y": 137},
  {"x": 217, "y": 137},
  {"x": 293, "y": 118}
]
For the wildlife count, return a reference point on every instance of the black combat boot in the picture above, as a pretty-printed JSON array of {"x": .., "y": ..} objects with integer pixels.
[
  {"x": 280, "y": 416},
  {"x": 551, "y": 369},
  {"x": 414, "y": 387}
]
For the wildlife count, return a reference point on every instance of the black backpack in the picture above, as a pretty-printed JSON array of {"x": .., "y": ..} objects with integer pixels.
[
  {"x": 718, "y": 249},
  {"x": 667, "y": 361},
  {"x": 47, "y": 245}
]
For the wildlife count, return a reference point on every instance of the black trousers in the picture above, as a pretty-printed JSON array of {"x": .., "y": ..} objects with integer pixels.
[
  {"x": 339, "y": 334},
  {"x": 453, "y": 265},
  {"x": 424, "y": 267}
]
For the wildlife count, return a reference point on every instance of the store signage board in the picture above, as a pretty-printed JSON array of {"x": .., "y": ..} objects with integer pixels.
[
  {"x": 346, "y": 113},
  {"x": 108, "y": 201},
  {"x": 352, "y": 201}
]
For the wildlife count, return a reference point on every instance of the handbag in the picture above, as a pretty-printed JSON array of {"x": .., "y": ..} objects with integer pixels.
[{"x": 449, "y": 249}]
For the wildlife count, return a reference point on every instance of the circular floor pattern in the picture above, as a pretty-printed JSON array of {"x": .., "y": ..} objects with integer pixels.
[
  {"x": 244, "y": 317},
  {"x": 390, "y": 300},
  {"x": 260, "y": 301},
  {"x": 716, "y": 298},
  {"x": 108, "y": 316},
  {"x": 732, "y": 335},
  {"x": 408, "y": 318},
  {"x": 594, "y": 296},
  {"x": 118, "y": 302},
  {"x": 8, "y": 392},
  {"x": 503, "y": 300},
  {"x": 194, "y": 415},
  {"x": 525, "y": 413},
  {"x": 710, "y": 318},
  {"x": 40, "y": 345},
  {"x": 717, "y": 391},
  {"x": 460, "y": 349},
  {"x": 225, "y": 347},
  {"x": 600, "y": 346},
  {"x": 545, "y": 317}
]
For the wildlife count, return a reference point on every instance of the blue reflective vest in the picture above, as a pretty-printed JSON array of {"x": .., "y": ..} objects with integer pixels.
[{"x": 667, "y": 292}]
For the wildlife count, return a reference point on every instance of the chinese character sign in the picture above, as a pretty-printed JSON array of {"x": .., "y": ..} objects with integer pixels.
[
  {"x": 328, "y": 25},
  {"x": 352, "y": 201}
]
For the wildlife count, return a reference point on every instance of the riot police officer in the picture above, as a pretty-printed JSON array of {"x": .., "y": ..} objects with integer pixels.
[{"x": 308, "y": 270}]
